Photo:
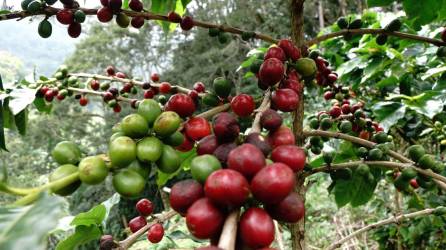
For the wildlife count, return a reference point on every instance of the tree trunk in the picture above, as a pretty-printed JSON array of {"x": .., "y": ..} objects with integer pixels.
[
  {"x": 297, "y": 35},
  {"x": 320, "y": 9}
]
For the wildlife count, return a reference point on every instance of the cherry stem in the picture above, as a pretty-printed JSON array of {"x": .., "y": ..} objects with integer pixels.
[
  {"x": 34, "y": 193},
  {"x": 393, "y": 219},
  {"x": 266, "y": 103},
  {"x": 125, "y": 244},
  {"x": 49, "y": 11},
  {"x": 402, "y": 35},
  {"x": 229, "y": 232},
  {"x": 126, "y": 80},
  {"x": 427, "y": 172}
]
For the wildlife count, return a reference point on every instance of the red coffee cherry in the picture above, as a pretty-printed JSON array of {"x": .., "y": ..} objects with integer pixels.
[
  {"x": 199, "y": 87},
  {"x": 83, "y": 101},
  {"x": 155, "y": 77},
  {"x": 155, "y": 233},
  {"x": 65, "y": 16},
  {"x": 243, "y": 105},
  {"x": 137, "y": 223},
  {"x": 105, "y": 14},
  {"x": 187, "y": 23},
  {"x": 271, "y": 71},
  {"x": 165, "y": 87},
  {"x": 144, "y": 207}
]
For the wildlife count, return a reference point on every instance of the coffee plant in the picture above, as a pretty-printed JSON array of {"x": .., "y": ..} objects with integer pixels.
[{"x": 233, "y": 165}]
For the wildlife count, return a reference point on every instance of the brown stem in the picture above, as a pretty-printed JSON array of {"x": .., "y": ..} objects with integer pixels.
[
  {"x": 125, "y": 80},
  {"x": 393, "y": 219},
  {"x": 266, "y": 103},
  {"x": 125, "y": 244},
  {"x": 297, "y": 35},
  {"x": 49, "y": 11},
  {"x": 229, "y": 232},
  {"x": 402, "y": 35}
]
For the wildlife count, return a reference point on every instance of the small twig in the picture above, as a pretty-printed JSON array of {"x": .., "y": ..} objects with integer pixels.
[
  {"x": 126, "y": 80},
  {"x": 393, "y": 219},
  {"x": 125, "y": 244},
  {"x": 229, "y": 232},
  {"x": 266, "y": 102},
  {"x": 278, "y": 236},
  {"x": 322, "y": 38}
]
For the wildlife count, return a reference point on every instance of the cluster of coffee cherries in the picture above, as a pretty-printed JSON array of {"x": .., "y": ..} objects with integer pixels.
[
  {"x": 60, "y": 90},
  {"x": 145, "y": 208},
  {"x": 154, "y": 234},
  {"x": 70, "y": 15},
  {"x": 409, "y": 178},
  {"x": 92, "y": 170},
  {"x": 113, "y": 7},
  {"x": 233, "y": 171}
]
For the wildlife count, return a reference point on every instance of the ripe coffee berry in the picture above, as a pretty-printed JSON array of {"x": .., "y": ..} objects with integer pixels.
[
  {"x": 155, "y": 233},
  {"x": 199, "y": 87},
  {"x": 64, "y": 16},
  {"x": 148, "y": 94},
  {"x": 134, "y": 103},
  {"x": 187, "y": 23},
  {"x": 155, "y": 77},
  {"x": 114, "y": 91},
  {"x": 329, "y": 95},
  {"x": 173, "y": 17},
  {"x": 117, "y": 108},
  {"x": 83, "y": 101},
  {"x": 137, "y": 223},
  {"x": 74, "y": 30},
  {"x": 290, "y": 50},
  {"x": 144, "y": 207},
  {"x": 275, "y": 52},
  {"x": 49, "y": 95},
  {"x": 121, "y": 75},
  {"x": 271, "y": 71},
  {"x": 104, "y": 14},
  {"x": 94, "y": 84},
  {"x": 345, "y": 108},
  {"x": 110, "y": 70},
  {"x": 43, "y": 90},
  {"x": 194, "y": 95},
  {"x": 285, "y": 100},
  {"x": 165, "y": 87},
  {"x": 335, "y": 111},
  {"x": 243, "y": 105},
  {"x": 146, "y": 85},
  {"x": 136, "y": 5},
  {"x": 137, "y": 22}
]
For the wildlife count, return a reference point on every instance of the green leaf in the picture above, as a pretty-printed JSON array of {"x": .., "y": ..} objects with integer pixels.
[
  {"x": 343, "y": 192},
  {"x": 93, "y": 217},
  {"x": 422, "y": 12},
  {"x": 4, "y": 12},
  {"x": 388, "y": 113},
  {"x": 125, "y": 4},
  {"x": 28, "y": 227},
  {"x": 42, "y": 106},
  {"x": 185, "y": 3},
  {"x": 1, "y": 83},
  {"x": 20, "y": 99},
  {"x": 433, "y": 72},
  {"x": 317, "y": 162},
  {"x": 345, "y": 153},
  {"x": 364, "y": 188},
  {"x": 21, "y": 120},
  {"x": 82, "y": 235},
  {"x": 378, "y": 3},
  {"x": 426, "y": 103},
  {"x": 8, "y": 118},
  {"x": 2, "y": 131},
  {"x": 389, "y": 81}
]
